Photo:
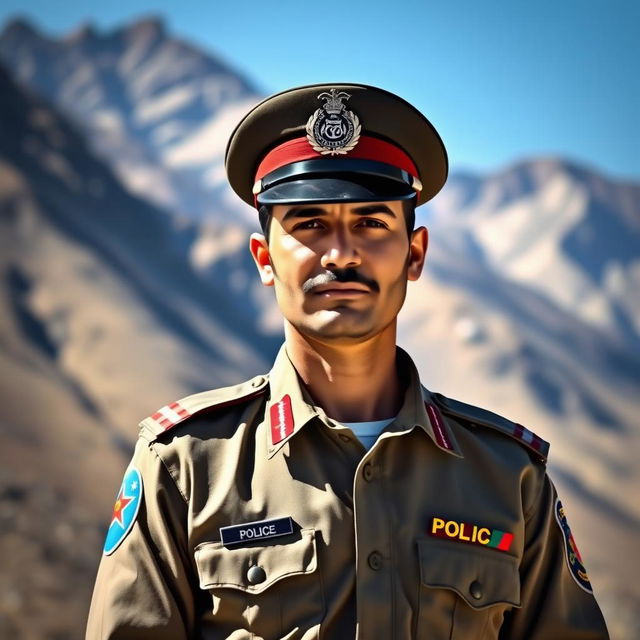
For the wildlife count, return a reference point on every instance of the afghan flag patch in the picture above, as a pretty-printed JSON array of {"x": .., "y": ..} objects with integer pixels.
[{"x": 574, "y": 561}]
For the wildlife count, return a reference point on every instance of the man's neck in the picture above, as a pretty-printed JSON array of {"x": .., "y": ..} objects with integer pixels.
[{"x": 351, "y": 382}]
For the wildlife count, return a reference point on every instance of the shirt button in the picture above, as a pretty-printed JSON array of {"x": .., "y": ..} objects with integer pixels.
[
  {"x": 475, "y": 589},
  {"x": 375, "y": 561},
  {"x": 367, "y": 472},
  {"x": 256, "y": 575}
]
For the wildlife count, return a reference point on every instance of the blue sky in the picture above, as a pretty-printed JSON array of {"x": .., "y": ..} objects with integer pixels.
[{"x": 500, "y": 80}]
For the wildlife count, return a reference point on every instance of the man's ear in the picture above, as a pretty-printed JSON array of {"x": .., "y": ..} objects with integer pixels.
[
  {"x": 259, "y": 248},
  {"x": 417, "y": 252}
]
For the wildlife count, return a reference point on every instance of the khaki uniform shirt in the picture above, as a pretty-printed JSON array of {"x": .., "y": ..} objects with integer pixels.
[{"x": 448, "y": 528}]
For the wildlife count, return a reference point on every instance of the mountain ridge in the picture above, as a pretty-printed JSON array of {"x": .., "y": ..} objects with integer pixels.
[
  {"x": 556, "y": 226},
  {"x": 135, "y": 91}
]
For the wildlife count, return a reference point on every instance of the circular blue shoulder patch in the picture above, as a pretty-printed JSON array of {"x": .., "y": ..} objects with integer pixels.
[
  {"x": 125, "y": 510},
  {"x": 574, "y": 561}
]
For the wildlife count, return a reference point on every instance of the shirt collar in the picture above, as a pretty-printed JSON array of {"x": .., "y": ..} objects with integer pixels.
[
  {"x": 290, "y": 406},
  {"x": 420, "y": 410}
]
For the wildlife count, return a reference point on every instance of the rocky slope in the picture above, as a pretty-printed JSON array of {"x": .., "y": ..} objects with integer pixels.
[{"x": 102, "y": 320}]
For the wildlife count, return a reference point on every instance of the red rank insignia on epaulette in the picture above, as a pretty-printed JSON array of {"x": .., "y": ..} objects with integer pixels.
[
  {"x": 170, "y": 415},
  {"x": 528, "y": 437}
]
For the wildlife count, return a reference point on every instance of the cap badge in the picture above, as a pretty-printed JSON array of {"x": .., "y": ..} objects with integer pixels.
[{"x": 332, "y": 130}]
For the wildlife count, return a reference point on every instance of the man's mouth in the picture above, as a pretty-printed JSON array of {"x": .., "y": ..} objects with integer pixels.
[
  {"x": 341, "y": 288},
  {"x": 346, "y": 282}
]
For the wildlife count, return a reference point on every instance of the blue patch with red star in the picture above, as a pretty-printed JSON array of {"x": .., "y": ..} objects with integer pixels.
[
  {"x": 125, "y": 510},
  {"x": 574, "y": 561}
]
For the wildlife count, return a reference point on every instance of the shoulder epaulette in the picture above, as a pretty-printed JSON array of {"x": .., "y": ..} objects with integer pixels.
[
  {"x": 167, "y": 417},
  {"x": 492, "y": 420}
]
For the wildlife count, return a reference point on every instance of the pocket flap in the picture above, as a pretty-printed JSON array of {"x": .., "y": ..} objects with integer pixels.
[
  {"x": 220, "y": 566},
  {"x": 483, "y": 577}
]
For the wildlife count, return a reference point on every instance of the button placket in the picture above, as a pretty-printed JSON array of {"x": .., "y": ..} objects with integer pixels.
[{"x": 373, "y": 533}]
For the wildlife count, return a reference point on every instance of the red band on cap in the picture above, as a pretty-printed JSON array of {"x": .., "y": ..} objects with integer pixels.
[{"x": 368, "y": 148}]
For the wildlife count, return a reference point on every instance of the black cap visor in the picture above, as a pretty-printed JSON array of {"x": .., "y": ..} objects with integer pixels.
[
  {"x": 320, "y": 181},
  {"x": 323, "y": 190}
]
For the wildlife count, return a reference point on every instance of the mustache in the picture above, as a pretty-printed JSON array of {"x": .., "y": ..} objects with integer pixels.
[{"x": 340, "y": 275}]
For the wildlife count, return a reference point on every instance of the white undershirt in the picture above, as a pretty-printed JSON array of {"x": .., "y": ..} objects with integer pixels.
[{"x": 368, "y": 432}]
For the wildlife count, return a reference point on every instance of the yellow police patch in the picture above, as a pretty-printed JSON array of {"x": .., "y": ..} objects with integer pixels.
[{"x": 471, "y": 533}]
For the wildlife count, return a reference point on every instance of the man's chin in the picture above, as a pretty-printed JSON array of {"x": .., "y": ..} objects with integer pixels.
[{"x": 338, "y": 325}]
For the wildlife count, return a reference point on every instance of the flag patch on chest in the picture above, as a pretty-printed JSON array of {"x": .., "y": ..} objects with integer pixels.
[{"x": 471, "y": 534}]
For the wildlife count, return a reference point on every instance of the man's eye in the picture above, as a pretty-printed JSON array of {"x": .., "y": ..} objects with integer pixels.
[
  {"x": 372, "y": 223},
  {"x": 309, "y": 224}
]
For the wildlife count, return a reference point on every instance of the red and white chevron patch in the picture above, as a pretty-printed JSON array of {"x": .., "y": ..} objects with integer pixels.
[
  {"x": 170, "y": 415},
  {"x": 528, "y": 437}
]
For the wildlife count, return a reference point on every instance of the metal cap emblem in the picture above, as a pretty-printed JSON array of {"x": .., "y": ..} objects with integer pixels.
[{"x": 332, "y": 130}]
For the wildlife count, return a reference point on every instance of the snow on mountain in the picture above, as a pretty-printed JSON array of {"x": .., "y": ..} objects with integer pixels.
[
  {"x": 206, "y": 145},
  {"x": 560, "y": 229},
  {"x": 156, "y": 108}
]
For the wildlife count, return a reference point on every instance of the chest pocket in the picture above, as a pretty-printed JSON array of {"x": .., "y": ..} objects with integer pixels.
[
  {"x": 269, "y": 591},
  {"x": 465, "y": 590}
]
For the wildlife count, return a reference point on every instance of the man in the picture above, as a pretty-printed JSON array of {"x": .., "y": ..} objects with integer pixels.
[{"x": 337, "y": 497}]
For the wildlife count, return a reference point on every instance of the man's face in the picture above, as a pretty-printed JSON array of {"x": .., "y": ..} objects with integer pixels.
[{"x": 340, "y": 271}]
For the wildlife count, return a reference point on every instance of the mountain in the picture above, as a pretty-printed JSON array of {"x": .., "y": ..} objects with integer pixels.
[
  {"x": 103, "y": 319},
  {"x": 559, "y": 228},
  {"x": 157, "y": 109}
]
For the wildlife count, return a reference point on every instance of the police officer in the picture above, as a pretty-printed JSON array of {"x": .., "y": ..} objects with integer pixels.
[{"x": 337, "y": 497}]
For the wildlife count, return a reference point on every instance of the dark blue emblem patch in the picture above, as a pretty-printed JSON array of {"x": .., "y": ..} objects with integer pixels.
[
  {"x": 574, "y": 561},
  {"x": 259, "y": 530},
  {"x": 125, "y": 510}
]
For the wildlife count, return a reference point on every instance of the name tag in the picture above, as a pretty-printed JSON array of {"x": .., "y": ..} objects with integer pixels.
[{"x": 259, "y": 530}]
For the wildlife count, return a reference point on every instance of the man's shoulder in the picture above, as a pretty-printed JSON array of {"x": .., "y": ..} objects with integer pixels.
[
  {"x": 168, "y": 417},
  {"x": 480, "y": 421}
]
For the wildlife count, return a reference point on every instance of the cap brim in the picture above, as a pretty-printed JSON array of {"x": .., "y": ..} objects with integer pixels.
[{"x": 335, "y": 190}]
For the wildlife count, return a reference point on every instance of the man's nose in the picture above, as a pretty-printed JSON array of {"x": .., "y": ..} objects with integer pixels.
[{"x": 340, "y": 252}]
